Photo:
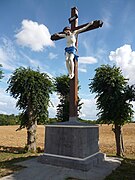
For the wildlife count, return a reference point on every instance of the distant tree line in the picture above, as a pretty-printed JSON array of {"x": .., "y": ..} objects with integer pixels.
[
  {"x": 6, "y": 120},
  {"x": 9, "y": 119}
]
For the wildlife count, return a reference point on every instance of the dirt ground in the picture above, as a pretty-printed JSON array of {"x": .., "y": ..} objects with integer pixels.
[{"x": 9, "y": 137}]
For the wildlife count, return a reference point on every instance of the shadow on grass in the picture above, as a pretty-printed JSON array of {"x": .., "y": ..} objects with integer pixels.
[
  {"x": 15, "y": 150},
  {"x": 8, "y": 166},
  {"x": 126, "y": 171},
  {"x": 11, "y": 155}
]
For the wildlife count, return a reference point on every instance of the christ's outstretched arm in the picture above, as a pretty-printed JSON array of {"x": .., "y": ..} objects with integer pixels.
[{"x": 83, "y": 28}]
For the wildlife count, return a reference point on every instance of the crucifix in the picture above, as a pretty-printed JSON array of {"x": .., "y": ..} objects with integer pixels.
[{"x": 71, "y": 34}]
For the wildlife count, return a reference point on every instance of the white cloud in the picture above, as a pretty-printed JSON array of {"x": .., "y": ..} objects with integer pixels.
[
  {"x": 89, "y": 109},
  {"x": 53, "y": 108},
  {"x": 87, "y": 60},
  {"x": 8, "y": 56},
  {"x": 101, "y": 52},
  {"x": 52, "y": 55},
  {"x": 11, "y": 59},
  {"x": 106, "y": 21},
  {"x": 34, "y": 63},
  {"x": 84, "y": 62},
  {"x": 87, "y": 45},
  {"x": 3, "y": 57},
  {"x": 7, "y": 103},
  {"x": 33, "y": 35},
  {"x": 107, "y": 16},
  {"x": 124, "y": 57},
  {"x": 82, "y": 69}
]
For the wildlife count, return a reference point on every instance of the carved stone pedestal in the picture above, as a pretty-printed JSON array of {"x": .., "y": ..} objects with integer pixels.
[{"x": 73, "y": 145}]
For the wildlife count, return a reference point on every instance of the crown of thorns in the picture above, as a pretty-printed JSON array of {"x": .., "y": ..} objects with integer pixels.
[{"x": 66, "y": 28}]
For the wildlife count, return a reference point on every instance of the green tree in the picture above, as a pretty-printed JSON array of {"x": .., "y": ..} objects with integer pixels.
[
  {"x": 114, "y": 98},
  {"x": 1, "y": 76},
  {"x": 31, "y": 89},
  {"x": 8, "y": 119},
  {"x": 62, "y": 87},
  {"x": 1, "y": 72}
]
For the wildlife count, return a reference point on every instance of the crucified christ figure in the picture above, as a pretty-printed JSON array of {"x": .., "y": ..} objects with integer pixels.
[{"x": 70, "y": 50}]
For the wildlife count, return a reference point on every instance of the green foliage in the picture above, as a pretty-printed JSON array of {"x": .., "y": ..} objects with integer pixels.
[
  {"x": 88, "y": 121},
  {"x": 63, "y": 110},
  {"x": 31, "y": 89},
  {"x": 1, "y": 72},
  {"x": 9, "y": 119},
  {"x": 62, "y": 87},
  {"x": 50, "y": 121},
  {"x": 113, "y": 95}
]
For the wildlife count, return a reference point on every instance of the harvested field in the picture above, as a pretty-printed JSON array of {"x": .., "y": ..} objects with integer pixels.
[
  {"x": 12, "y": 139},
  {"x": 107, "y": 139}
]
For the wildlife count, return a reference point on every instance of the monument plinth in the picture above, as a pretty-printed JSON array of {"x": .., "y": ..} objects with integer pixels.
[{"x": 72, "y": 145}]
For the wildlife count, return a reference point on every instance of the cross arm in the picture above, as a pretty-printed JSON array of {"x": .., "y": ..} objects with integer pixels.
[
  {"x": 55, "y": 37},
  {"x": 94, "y": 25}
]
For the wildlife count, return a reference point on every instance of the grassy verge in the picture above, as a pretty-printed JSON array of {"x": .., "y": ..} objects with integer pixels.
[
  {"x": 126, "y": 171},
  {"x": 8, "y": 160}
]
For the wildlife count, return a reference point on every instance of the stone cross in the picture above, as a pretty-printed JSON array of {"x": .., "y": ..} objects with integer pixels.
[{"x": 73, "y": 100}]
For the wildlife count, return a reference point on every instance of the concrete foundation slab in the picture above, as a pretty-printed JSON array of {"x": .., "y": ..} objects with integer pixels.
[{"x": 39, "y": 171}]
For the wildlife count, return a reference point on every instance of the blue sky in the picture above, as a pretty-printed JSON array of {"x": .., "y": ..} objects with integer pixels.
[{"x": 25, "y": 29}]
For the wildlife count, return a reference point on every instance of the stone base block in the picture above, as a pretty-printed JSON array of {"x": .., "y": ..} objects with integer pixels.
[
  {"x": 73, "y": 145},
  {"x": 83, "y": 164}
]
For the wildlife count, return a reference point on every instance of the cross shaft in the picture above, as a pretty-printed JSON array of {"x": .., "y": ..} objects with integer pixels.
[{"x": 73, "y": 100}]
